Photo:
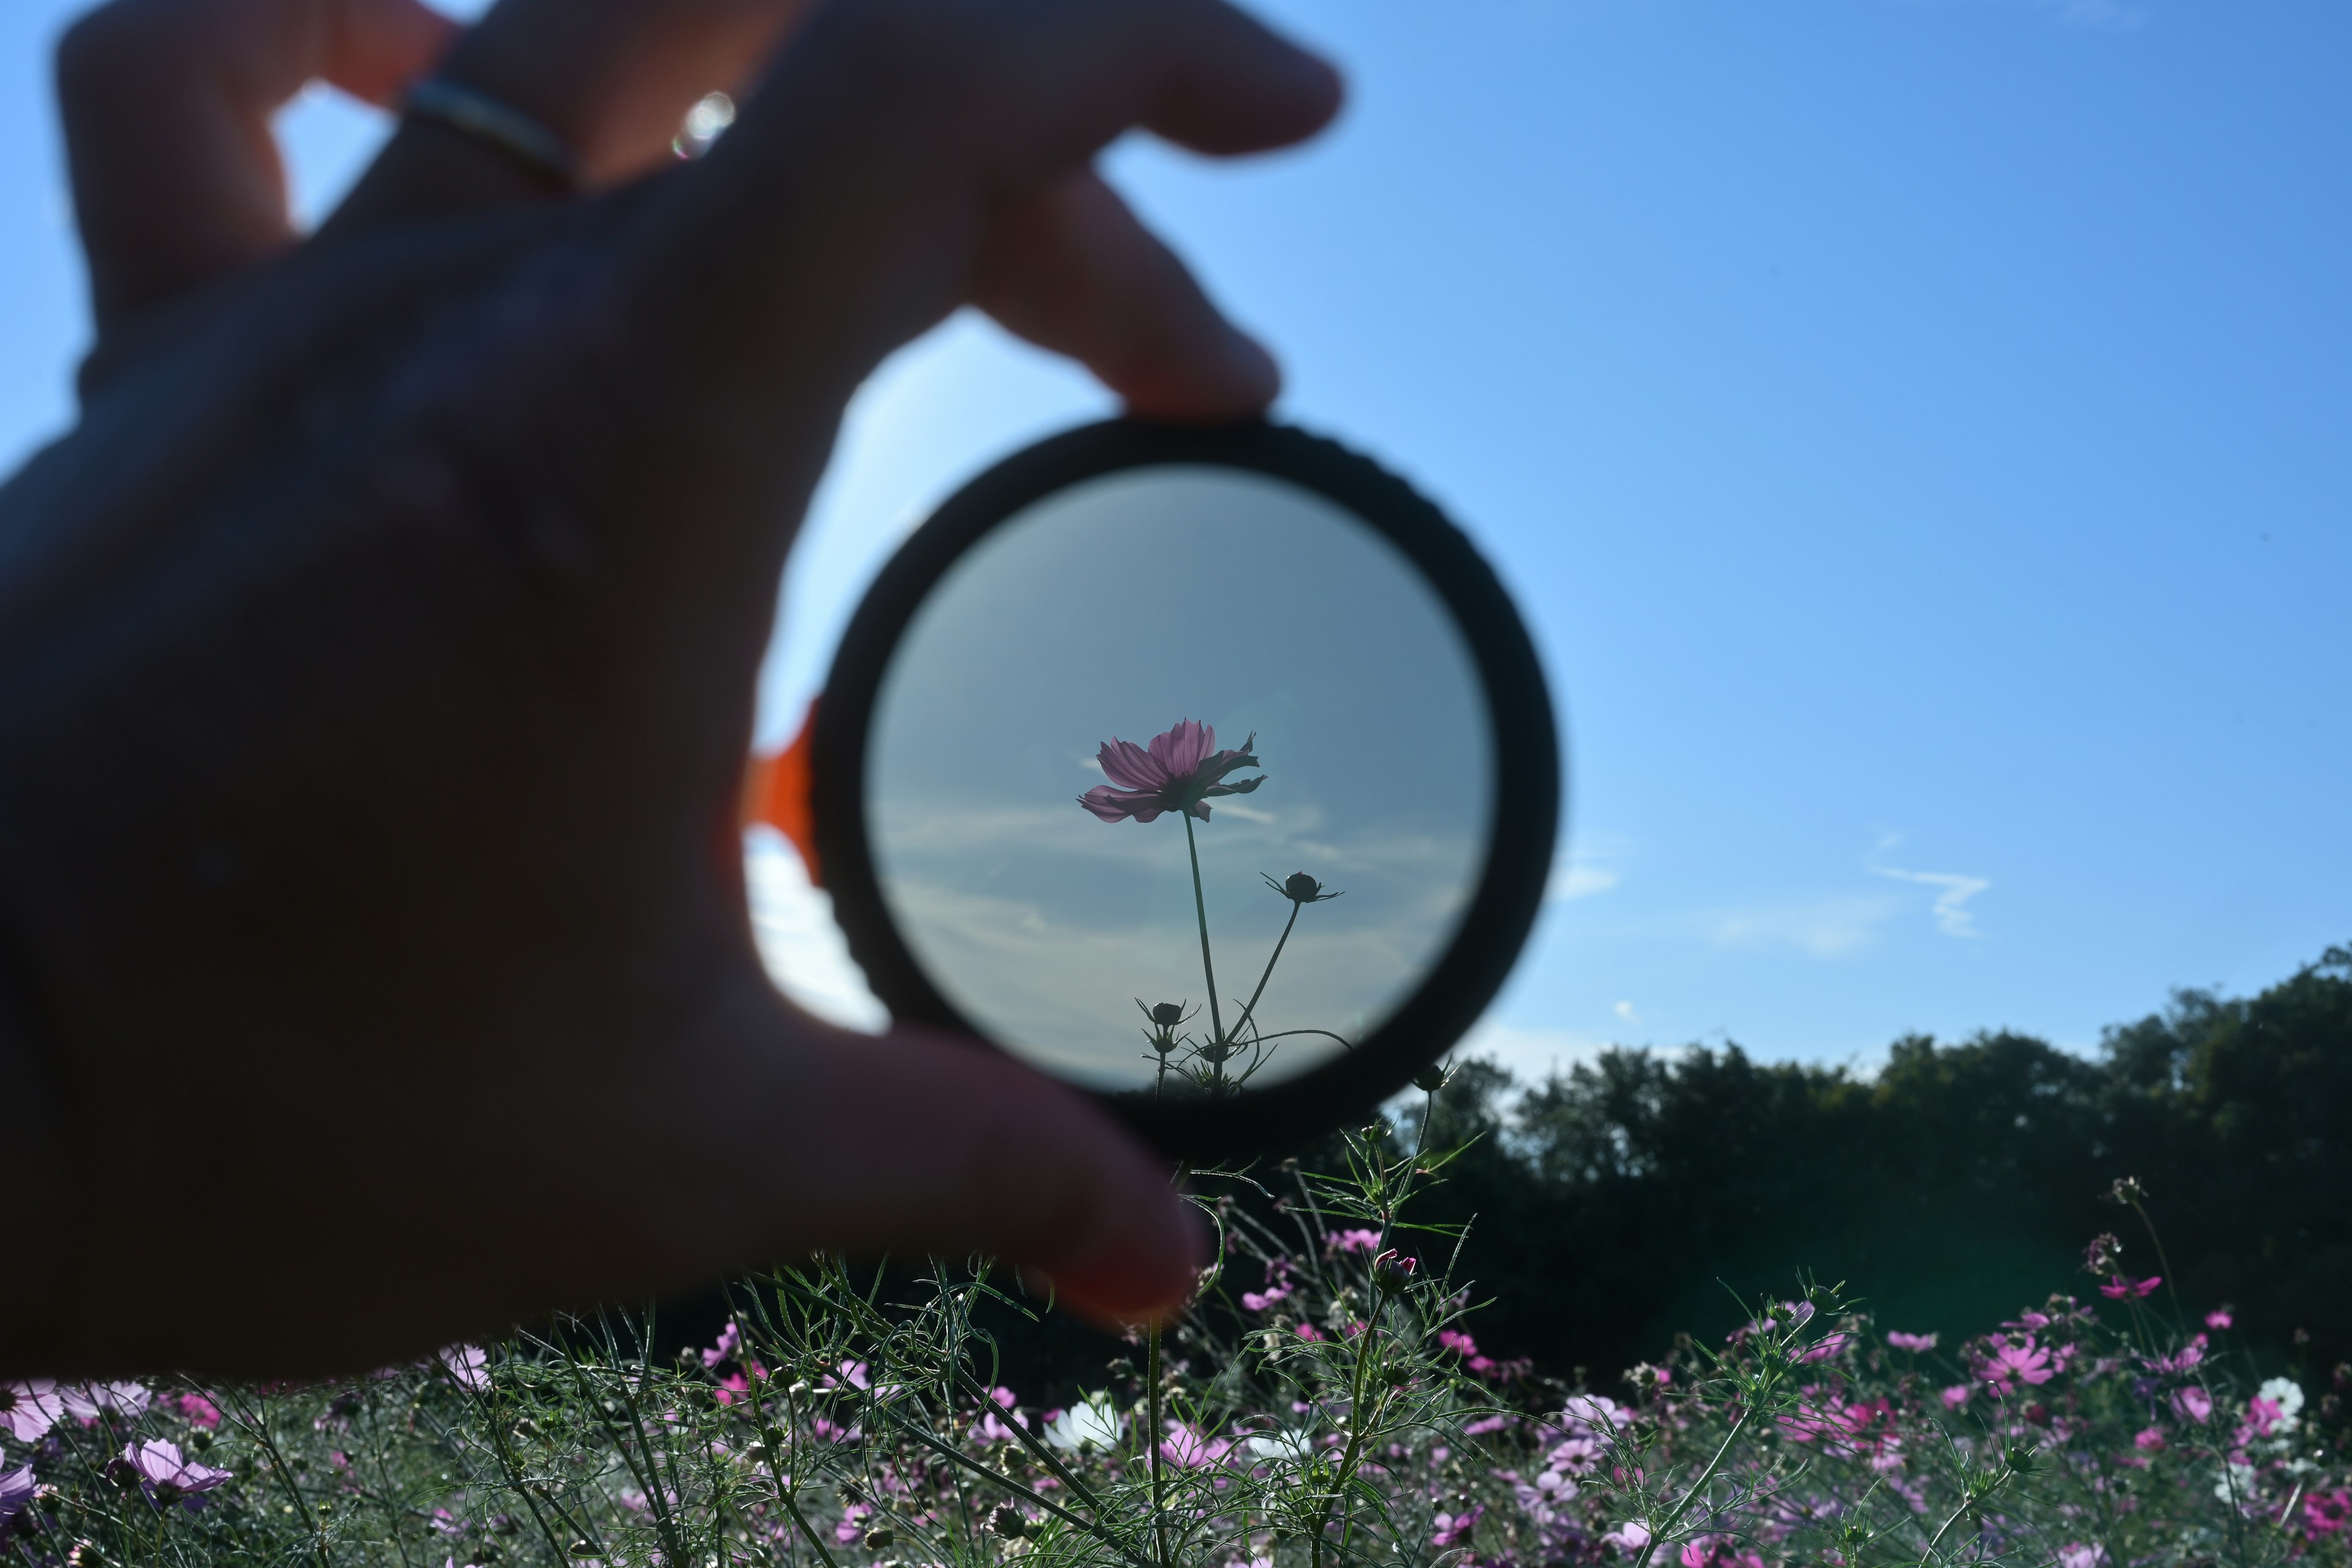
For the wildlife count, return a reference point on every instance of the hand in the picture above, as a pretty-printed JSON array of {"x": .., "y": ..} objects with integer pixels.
[{"x": 377, "y": 659}]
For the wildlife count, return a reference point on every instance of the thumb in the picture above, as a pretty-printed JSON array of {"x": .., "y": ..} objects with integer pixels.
[{"x": 920, "y": 1143}]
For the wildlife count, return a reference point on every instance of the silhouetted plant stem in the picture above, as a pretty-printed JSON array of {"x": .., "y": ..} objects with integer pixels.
[
  {"x": 1243, "y": 1021},
  {"x": 1151, "y": 1370},
  {"x": 1209, "y": 971}
]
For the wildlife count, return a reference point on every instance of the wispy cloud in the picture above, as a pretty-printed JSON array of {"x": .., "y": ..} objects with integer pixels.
[
  {"x": 1574, "y": 881},
  {"x": 1530, "y": 1055},
  {"x": 1953, "y": 917},
  {"x": 1825, "y": 928},
  {"x": 1626, "y": 1010},
  {"x": 1585, "y": 871}
]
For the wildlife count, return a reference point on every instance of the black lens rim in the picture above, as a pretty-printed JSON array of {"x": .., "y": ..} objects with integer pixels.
[{"x": 1292, "y": 1114}]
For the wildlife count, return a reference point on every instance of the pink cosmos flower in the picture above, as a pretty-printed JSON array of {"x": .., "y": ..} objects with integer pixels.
[
  {"x": 17, "y": 1490},
  {"x": 86, "y": 1402},
  {"x": 2325, "y": 1513},
  {"x": 730, "y": 1341},
  {"x": 992, "y": 1430},
  {"x": 199, "y": 1411},
  {"x": 1355, "y": 1241},
  {"x": 30, "y": 1408},
  {"x": 1917, "y": 1344},
  {"x": 1188, "y": 1447},
  {"x": 2261, "y": 1415},
  {"x": 2192, "y": 1404},
  {"x": 2149, "y": 1440},
  {"x": 165, "y": 1477},
  {"x": 1310, "y": 1333},
  {"x": 1180, "y": 773},
  {"x": 467, "y": 1366},
  {"x": 2122, "y": 1287},
  {"x": 1589, "y": 1412},
  {"x": 1957, "y": 1396},
  {"x": 1576, "y": 1456},
  {"x": 2078, "y": 1555},
  {"x": 1631, "y": 1536},
  {"x": 1278, "y": 1288},
  {"x": 2219, "y": 1318},
  {"x": 1454, "y": 1529},
  {"x": 2011, "y": 1363}
]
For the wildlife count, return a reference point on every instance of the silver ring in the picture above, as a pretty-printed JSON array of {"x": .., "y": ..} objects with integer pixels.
[{"x": 505, "y": 127}]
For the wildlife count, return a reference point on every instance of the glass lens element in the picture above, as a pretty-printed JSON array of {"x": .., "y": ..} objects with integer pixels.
[{"x": 1180, "y": 782}]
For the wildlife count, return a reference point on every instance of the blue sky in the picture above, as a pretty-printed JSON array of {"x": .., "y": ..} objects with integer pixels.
[{"x": 1919, "y": 431}]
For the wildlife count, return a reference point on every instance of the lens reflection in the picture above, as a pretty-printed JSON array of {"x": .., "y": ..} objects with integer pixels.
[{"x": 1180, "y": 782}]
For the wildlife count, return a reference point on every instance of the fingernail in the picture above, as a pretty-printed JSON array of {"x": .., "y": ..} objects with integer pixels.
[{"x": 1139, "y": 1277}]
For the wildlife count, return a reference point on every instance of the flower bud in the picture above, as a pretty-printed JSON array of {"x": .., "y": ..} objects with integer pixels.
[
  {"x": 1301, "y": 887},
  {"x": 1168, "y": 1015},
  {"x": 880, "y": 1536},
  {"x": 1431, "y": 1079},
  {"x": 1007, "y": 1522},
  {"x": 1393, "y": 1271}
]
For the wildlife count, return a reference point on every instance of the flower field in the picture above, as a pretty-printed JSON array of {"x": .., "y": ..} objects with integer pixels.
[{"x": 1325, "y": 1402}]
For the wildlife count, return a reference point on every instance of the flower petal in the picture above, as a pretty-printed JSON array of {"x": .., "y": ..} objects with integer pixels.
[
  {"x": 1129, "y": 766},
  {"x": 1180, "y": 750}
]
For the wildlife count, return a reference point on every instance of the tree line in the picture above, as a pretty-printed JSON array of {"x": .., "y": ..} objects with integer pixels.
[{"x": 1629, "y": 1198}]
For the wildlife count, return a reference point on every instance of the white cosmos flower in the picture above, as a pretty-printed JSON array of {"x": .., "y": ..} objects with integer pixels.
[
  {"x": 1093, "y": 1420},
  {"x": 2287, "y": 1395},
  {"x": 1297, "y": 1448}
]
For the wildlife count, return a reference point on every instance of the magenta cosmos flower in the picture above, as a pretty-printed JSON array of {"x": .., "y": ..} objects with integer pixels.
[{"x": 1180, "y": 771}]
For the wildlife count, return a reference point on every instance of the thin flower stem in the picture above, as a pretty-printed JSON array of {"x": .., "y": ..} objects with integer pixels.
[
  {"x": 1208, "y": 969},
  {"x": 2170, "y": 1279},
  {"x": 962, "y": 1461},
  {"x": 1691, "y": 1492},
  {"x": 258, "y": 1423},
  {"x": 1151, "y": 1370},
  {"x": 1243, "y": 1021}
]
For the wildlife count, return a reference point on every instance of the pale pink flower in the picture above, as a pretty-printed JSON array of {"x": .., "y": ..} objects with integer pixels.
[
  {"x": 2149, "y": 1440},
  {"x": 1957, "y": 1396},
  {"x": 2219, "y": 1318},
  {"x": 1455, "y": 1529},
  {"x": 1180, "y": 773},
  {"x": 2192, "y": 1404},
  {"x": 30, "y": 1408},
  {"x": 17, "y": 1490},
  {"x": 1631, "y": 1536},
  {"x": 86, "y": 1402},
  {"x": 1354, "y": 1241},
  {"x": 199, "y": 1411},
  {"x": 730, "y": 1341},
  {"x": 1917, "y": 1344},
  {"x": 1577, "y": 1457},
  {"x": 1591, "y": 1412},
  {"x": 2124, "y": 1288},
  {"x": 165, "y": 1477},
  {"x": 467, "y": 1366},
  {"x": 2078, "y": 1555},
  {"x": 1190, "y": 1448}
]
